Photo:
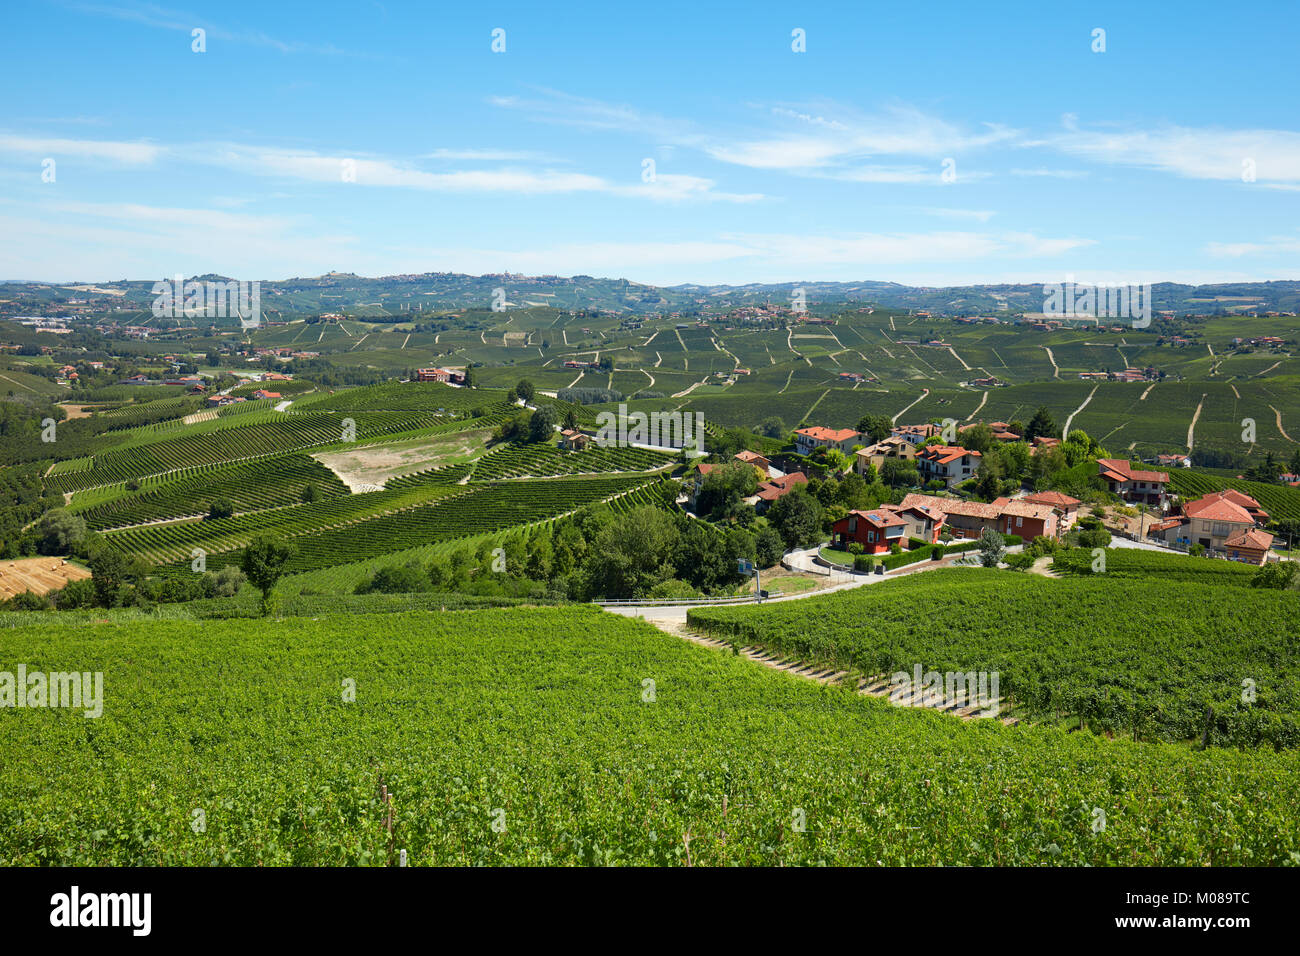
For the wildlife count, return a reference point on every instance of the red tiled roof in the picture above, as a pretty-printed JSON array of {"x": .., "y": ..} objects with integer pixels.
[
  {"x": 750, "y": 456},
  {"x": 1125, "y": 470},
  {"x": 818, "y": 433},
  {"x": 943, "y": 454},
  {"x": 1249, "y": 538},
  {"x": 1053, "y": 498},
  {"x": 776, "y": 487},
  {"x": 880, "y": 517},
  {"x": 1217, "y": 509}
]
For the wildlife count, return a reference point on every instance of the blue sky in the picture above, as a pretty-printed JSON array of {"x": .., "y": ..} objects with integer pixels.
[{"x": 386, "y": 137}]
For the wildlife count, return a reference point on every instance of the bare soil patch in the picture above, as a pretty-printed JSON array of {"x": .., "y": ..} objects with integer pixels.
[{"x": 365, "y": 467}]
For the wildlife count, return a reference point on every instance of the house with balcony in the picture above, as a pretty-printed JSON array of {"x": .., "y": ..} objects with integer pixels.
[
  {"x": 950, "y": 464},
  {"x": 808, "y": 440},
  {"x": 875, "y": 455},
  {"x": 1142, "y": 487}
]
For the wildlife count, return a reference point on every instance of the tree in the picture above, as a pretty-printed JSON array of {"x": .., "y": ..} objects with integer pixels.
[
  {"x": 797, "y": 515},
  {"x": 899, "y": 473},
  {"x": 525, "y": 390},
  {"x": 1294, "y": 467},
  {"x": 629, "y": 557},
  {"x": 541, "y": 427},
  {"x": 988, "y": 479},
  {"x": 310, "y": 493},
  {"x": 263, "y": 563},
  {"x": 221, "y": 508},
  {"x": 876, "y": 427},
  {"x": 1281, "y": 575},
  {"x": 1041, "y": 425},
  {"x": 60, "y": 531},
  {"x": 112, "y": 574},
  {"x": 991, "y": 548},
  {"x": 978, "y": 438},
  {"x": 772, "y": 427},
  {"x": 768, "y": 548},
  {"x": 724, "y": 487}
]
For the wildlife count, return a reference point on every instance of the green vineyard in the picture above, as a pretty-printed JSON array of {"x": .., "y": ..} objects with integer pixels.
[
  {"x": 1107, "y": 650},
  {"x": 538, "y": 719}
]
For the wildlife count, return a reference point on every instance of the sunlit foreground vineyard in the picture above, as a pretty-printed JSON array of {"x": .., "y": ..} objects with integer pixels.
[
  {"x": 544, "y": 736},
  {"x": 1139, "y": 653}
]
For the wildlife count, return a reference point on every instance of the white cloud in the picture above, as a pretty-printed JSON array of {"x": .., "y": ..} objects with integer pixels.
[
  {"x": 1274, "y": 245},
  {"x": 135, "y": 154},
  {"x": 1195, "y": 153}
]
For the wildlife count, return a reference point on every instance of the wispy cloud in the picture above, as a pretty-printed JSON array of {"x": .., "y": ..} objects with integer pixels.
[
  {"x": 151, "y": 15},
  {"x": 1267, "y": 155},
  {"x": 1273, "y": 245},
  {"x": 119, "y": 152}
]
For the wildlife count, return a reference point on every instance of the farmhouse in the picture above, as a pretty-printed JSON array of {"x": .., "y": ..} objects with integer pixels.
[
  {"x": 573, "y": 440},
  {"x": 1146, "y": 487},
  {"x": 433, "y": 375}
]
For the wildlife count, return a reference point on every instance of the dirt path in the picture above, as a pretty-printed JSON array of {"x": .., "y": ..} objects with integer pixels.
[
  {"x": 1143, "y": 396},
  {"x": 1192, "y": 427},
  {"x": 1279, "y": 424},
  {"x": 924, "y": 393},
  {"x": 984, "y": 398},
  {"x": 1056, "y": 372},
  {"x": 959, "y": 358},
  {"x": 1066, "y": 430}
]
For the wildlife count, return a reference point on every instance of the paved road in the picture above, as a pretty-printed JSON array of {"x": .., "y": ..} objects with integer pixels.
[{"x": 676, "y": 614}]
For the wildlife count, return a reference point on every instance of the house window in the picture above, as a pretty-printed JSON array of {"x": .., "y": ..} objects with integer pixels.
[
  {"x": 1019, "y": 521},
  {"x": 871, "y": 537}
]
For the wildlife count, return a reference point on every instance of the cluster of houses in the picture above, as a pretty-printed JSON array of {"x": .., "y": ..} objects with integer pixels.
[
  {"x": 923, "y": 517},
  {"x": 1148, "y": 374}
]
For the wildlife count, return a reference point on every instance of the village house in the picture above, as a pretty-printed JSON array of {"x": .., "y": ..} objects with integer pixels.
[
  {"x": 433, "y": 375},
  {"x": 262, "y": 394},
  {"x": 1067, "y": 507},
  {"x": 950, "y": 464},
  {"x": 916, "y": 434},
  {"x": 1170, "y": 461},
  {"x": 1222, "y": 523},
  {"x": 875, "y": 455},
  {"x": 1145, "y": 487},
  {"x": 772, "y": 489},
  {"x": 875, "y": 530},
  {"x": 761, "y": 464},
  {"x": 808, "y": 440},
  {"x": 968, "y": 519}
]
